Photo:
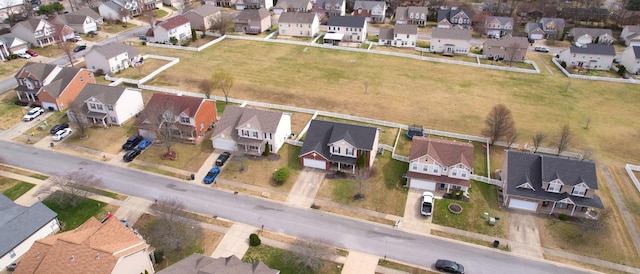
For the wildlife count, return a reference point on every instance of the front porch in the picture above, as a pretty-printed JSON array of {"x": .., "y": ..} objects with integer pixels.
[
  {"x": 251, "y": 146},
  {"x": 343, "y": 167},
  {"x": 550, "y": 207}
]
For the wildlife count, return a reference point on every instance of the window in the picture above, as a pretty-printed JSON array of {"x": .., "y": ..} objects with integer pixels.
[
  {"x": 579, "y": 190},
  {"x": 414, "y": 166},
  {"x": 454, "y": 172},
  {"x": 12, "y": 254},
  {"x": 114, "y": 120},
  {"x": 110, "y": 107},
  {"x": 81, "y": 79},
  {"x": 425, "y": 168},
  {"x": 92, "y": 105},
  {"x": 185, "y": 120},
  {"x": 255, "y": 134},
  {"x": 350, "y": 151},
  {"x": 99, "y": 106},
  {"x": 336, "y": 150},
  {"x": 554, "y": 187},
  {"x": 245, "y": 133},
  {"x": 436, "y": 169}
]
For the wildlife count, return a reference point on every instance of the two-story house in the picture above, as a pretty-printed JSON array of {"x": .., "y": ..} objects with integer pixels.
[
  {"x": 177, "y": 27},
  {"x": 534, "y": 31},
  {"x": 508, "y": 48},
  {"x": 298, "y": 24},
  {"x": 590, "y": 56},
  {"x": 21, "y": 226},
  {"x": 107, "y": 105},
  {"x": 202, "y": 16},
  {"x": 82, "y": 21},
  {"x": 550, "y": 184},
  {"x": 254, "y": 4},
  {"x": 251, "y": 131},
  {"x": 347, "y": 28},
  {"x": 553, "y": 28},
  {"x": 292, "y": 6},
  {"x": 496, "y": 26},
  {"x": 453, "y": 17},
  {"x": 436, "y": 164},
  {"x": 37, "y": 32},
  {"x": 186, "y": 118},
  {"x": 338, "y": 146},
  {"x": 252, "y": 21},
  {"x": 583, "y": 36},
  {"x": 331, "y": 8},
  {"x": 402, "y": 36},
  {"x": 112, "y": 11},
  {"x": 111, "y": 58},
  {"x": 63, "y": 32},
  {"x": 412, "y": 15},
  {"x": 374, "y": 11},
  {"x": 94, "y": 247},
  {"x": 630, "y": 59},
  {"x": 50, "y": 86},
  {"x": 631, "y": 35},
  {"x": 450, "y": 41}
]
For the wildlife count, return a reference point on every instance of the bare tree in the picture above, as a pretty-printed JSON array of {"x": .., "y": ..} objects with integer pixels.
[
  {"x": 588, "y": 224},
  {"x": 161, "y": 118},
  {"x": 223, "y": 80},
  {"x": 499, "y": 123},
  {"x": 512, "y": 138},
  {"x": 565, "y": 139},
  {"x": 148, "y": 13},
  {"x": 513, "y": 52},
  {"x": 537, "y": 140},
  {"x": 173, "y": 231},
  {"x": 362, "y": 175},
  {"x": 78, "y": 119},
  {"x": 11, "y": 8},
  {"x": 73, "y": 187},
  {"x": 309, "y": 256},
  {"x": 205, "y": 88},
  {"x": 67, "y": 47},
  {"x": 221, "y": 23},
  {"x": 124, "y": 16}
]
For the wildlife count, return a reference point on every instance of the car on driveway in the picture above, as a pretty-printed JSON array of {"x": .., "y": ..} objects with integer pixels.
[
  {"x": 32, "y": 53},
  {"x": 80, "y": 48},
  {"x": 130, "y": 155},
  {"x": 541, "y": 49},
  {"x": 33, "y": 113},
  {"x": 223, "y": 158},
  {"x": 143, "y": 37},
  {"x": 144, "y": 143},
  {"x": 132, "y": 142},
  {"x": 61, "y": 134},
  {"x": 211, "y": 175},
  {"x": 426, "y": 207},
  {"x": 58, "y": 127},
  {"x": 449, "y": 266},
  {"x": 24, "y": 55}
]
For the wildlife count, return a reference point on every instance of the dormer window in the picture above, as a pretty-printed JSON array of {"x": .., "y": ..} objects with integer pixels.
[
  {"x": 579, "y": 190},
  {"x": 335, "y": 149},
  {"x": 554, "y": 186},
  {"x": 185, "y": 120}
]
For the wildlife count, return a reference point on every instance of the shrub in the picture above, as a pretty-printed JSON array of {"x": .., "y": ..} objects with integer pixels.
[
  {"x": 563, "y": 64},
  {"x": 186, "y": 43},
  {"x": 622, "y": 70},
  {"x": 99, "y": 72},
  {"x": 267, "y": 150},
  {"x": 144, "y": 43},
  {"x": 281, "y": 175},
  {"x": 563, "y": 217},
  {"x": 254, "y": 240}
]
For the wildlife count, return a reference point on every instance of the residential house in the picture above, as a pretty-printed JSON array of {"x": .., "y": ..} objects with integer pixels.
[
  {"x": 496, "y": 26},
  {"x": 80, "y": 21},
  {"x": 529, "y": 11},
  {"x": 631, "y": 59},
  {"x": 62, "y": 31},
  {"x": 91, "y": 13},
  {"x": 331, "y": 8},
  {"x": 50, "y": 86},
  {"x": 534, "y": 31},
  {"x": 251, "y": 130},
  {"x": 9, "y": 44},
  {"x": 450, "y": 41},
  {"x": 4, "y": 50},
  {"x": 202, "y": 16},
  {"x": 412, "y": 15},
  {"x": 200, "y": 264},
  {"x": 592, "y": 15},
  {"x": 225, "y": 3},
  {"x": 173, "y": 3},
  {"x": 292, "y": 6},
  {"x": 252, "y": 21},
  {"x": 550, "y": 184},
  {"x": 631, "y": 35},
  {"x": 374, "y": 11},
  {"x": 111, "y": 58},
  {"x": 553, "y": 27},
  {"x": 627, "y": 17},
  {"x": 590, "y": 56},
  {"x": 583, "y": 36},
  {"x": 37, "y": 32},
  {"x": 508, "y": 48},
  {"x": 437, "y": 164},
  {"x": 108, "y": 105},
  {"x": 254, "y": 4},
  {"x": 177, "y": 27},
  {"x": 347, "y": 29},
  {"x": 298, "y": 24},
  {"x": 94, "y": 247},
  {"x": 187, "y": 118},
  {"x": 453, "y": 17},
  {"x": 399, "y": 36},
  {"x": 338, "y": 146},
  {"x": 21, "y": 226},
  {"x": 111, "y": 11}
]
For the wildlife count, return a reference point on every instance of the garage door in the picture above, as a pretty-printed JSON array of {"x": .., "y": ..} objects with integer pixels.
[
  {"x": 315, "y": 163},
  {"x": 224, "y": 144},
  {"x": 536, "y": 36},
  {"x": 520, "y": 204},
  {"x": 421, "y": 184},
  {"x": 148, "y": 134}
]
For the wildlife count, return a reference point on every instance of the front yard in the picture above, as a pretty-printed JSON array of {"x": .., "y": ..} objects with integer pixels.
[
  {"x": 13, "y": 189},
  {"x": 190, "y": 157},
  {"x": 107, "y": 140},
  {"x": 72, "y": 217},
  {"x": 273, "y": 257},
  {"x": 10, "y": 113}
]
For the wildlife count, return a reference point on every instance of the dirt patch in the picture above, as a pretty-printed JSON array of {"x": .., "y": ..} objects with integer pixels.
[{"x": 273, "y": 157}]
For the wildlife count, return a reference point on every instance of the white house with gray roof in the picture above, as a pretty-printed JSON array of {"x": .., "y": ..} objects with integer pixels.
[
  {"x": 631, "y": 59},
  {"x": 111, "y": 58},
  {"x": 374, "y": 11},
  {"x": 251, "y": 130},
  {"x": 298, "y": 24},
  {"x": 497, "y": 26},
  {"x": 21, "y": 226},
  {"x": 81, "y": 21},
  {"x": 202, "y": 16},
  {"x": 583, "y": 36},
  {"x": 292, "y": 6},
  {"x": 590, "y": 56},
  {"x": 108, "y": 105},
  {"x": 37, "y": 32},
  {"x": 412, "y": 15},
  {"x": 350, "y": 28},
  {"x": 402, "y": 36},
  {"x": 450, "y": 41},
  {"x": 631, "y": 35}
]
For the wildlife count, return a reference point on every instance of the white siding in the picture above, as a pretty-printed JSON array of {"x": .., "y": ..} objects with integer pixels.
[
  {"x": 136, "y": 262},
  {"x": 297, "y": 29},
  {"x": 127, "y": 106},
  {"x": 422, "y": 184},
  {"x": 282, "y": 132},
  {"x": 629, "y": 61},
  {"x": 47, "y": 230}
]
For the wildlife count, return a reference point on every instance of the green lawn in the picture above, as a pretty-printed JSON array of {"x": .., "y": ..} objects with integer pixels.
[
  {"x": 273, "y": 257},
  {"x": 72, "y": 217},
  {"x": 17, "y": 190}
]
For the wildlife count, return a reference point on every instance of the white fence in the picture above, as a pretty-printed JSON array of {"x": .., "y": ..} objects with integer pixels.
[
  {"x": 593, "y": 78},
  {"x": 200, "y": 48},
  {"x": 486, "y": 180},
  {"x": 630, "y": 169},
  {"x": 172, "y": 61}
]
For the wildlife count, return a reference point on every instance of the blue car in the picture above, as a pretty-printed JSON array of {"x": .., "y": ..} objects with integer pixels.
[
  {"x": 144, "y": 144},
  {"x": 211, "y": 175}
]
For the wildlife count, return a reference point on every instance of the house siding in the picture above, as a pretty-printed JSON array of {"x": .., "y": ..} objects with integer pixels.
[
  {"x": 137, "y": 262},
  {"x": 205, "y": 117},
  {"x": 128, "y": 105},
  {"x": 48, "y": 229},
  {"x": 630, "y": 61},
  {"x": 592, "y": 61},
  {"x": 299, "y": 29},
  {"x": 282, "y": 132}
]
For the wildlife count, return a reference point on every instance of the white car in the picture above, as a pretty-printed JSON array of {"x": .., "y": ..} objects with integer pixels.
[
  {"x": 33, "y": 113},
  {"x": 426, "y": 207},
  {"x": 61, "y": 134},
  {"x": 24, "y": 55}
]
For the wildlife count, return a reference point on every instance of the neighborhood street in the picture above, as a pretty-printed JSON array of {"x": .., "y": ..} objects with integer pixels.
[{"x": 343, "y": 232}]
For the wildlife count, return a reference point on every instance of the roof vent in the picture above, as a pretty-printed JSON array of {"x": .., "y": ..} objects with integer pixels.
[
  {"x": 97, "y": 256},
  {"x": 73, "y": 258},
  {"x": 38, "y": 255}
]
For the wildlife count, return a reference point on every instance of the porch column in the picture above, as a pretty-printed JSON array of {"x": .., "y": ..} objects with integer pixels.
[
  {"x": 18, "y": 93},
  {"x": 338, "y": 166},
  {"x": 353, "y": 169},
  {"x": 552, "y": 207},
  {"x": 573, "y": 209}
]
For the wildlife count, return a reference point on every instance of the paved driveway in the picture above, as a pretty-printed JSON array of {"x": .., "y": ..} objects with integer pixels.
[
  {"x": 413, "y": 221},
  {"x": 524, "y": 235},
  {"x": 306, "y": 187}
]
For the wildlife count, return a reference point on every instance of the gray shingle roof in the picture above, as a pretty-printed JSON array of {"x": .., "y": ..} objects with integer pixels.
[
  {"x": 577, "y": 32},
  {"x": 385, "y": 34},
  {"x": 508, "y": 41},
  {"x": 73, "y": 19},
  {"x": 531, "y": 26},
  {"x": 368, "y": 5},
  {"x": 114, "y": 49},
  {"x": 205, "y": 10},
  {"x": 39, "y": 70},
  {"x": 456, "y": 34},
  {"x": 597, "y": 49},
  {"x": 87, "y": 12},
  {"x": 105, "y": 94},
  {"x": 17, "y": 222},
  {"x": 502, "y": 20},
  {"x": 321, "y": 133},
  {"x": 257, "y": 15},
  {"x": 297, "y": 17},
  {"x": 402, "y": 13},
  {"x": 234, "y": 116},
  {"x": 636, "y": 51},
  {"x": 292, "y": 4},
  {"x": 347, "y": 21},
  {"x": 112, "y": 5},
  {"x": 448, "y": 12},
  {"x": 61, "y": 81},
  {"x": 405, "y": 29}
]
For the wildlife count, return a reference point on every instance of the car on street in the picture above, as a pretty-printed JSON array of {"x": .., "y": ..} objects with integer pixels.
[
  {"x": 32, "y": 53},
  {"x": 211, "y": 175},
  {"x": 80, "y": 48},
  {"x": 144, "y": 143},
  {"x": 223, "y": 158},
  {"x": 61, "y": 134},
  {"x": 143, "y": 37},
  {"x": 426, "y": 207},
  {"x": 449, "y": 266},
  {"x": 541, "y": 49},
  {"x": 130, "y": 155},
  {"x": 24, "y": 55},
  {"x": 132, "y": 142},
  {"x": 58, "y": 127},
  {"x": 33, "y": 113}
]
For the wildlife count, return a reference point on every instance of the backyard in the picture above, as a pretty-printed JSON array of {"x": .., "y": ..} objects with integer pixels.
[{"x": 149, "y": 66}]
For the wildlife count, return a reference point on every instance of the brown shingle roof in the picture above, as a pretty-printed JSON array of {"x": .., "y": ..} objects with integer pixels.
[
  {"x": 445, "y": 152},
  {"x": 178, "y": 104},
  {"x": 173, "y": 22}
]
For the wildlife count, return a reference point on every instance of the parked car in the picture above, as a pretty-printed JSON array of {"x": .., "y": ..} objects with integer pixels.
[
  {"x": 73, "y": 40},
  {"x": 541, "y": 49},
  {"x": 24, "y": 55},
  {"x": 144, "y": 143},
  {"x": 58, "y": 127},
  {"x": 124, "y": 222},
  {"x": 211, "y": 175},
  {"x": 131, "y": 154},
  {"x": 143, "y": 37},
  {"x": 32, "y": 53},
  {"x": 61, "y": 134},
  {"x": 93, "y": 32},
  {"x": 449, "y": 266},
  {"x": 132, "y": 142},
  {"x": 223, "y": 158},
  {"x": 426, "y": 208},
  {"x": 33, "y": 113},
  {"x": 80, "y": 48}
]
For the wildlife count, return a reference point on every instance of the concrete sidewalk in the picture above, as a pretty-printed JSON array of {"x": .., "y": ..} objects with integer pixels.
[{"x": 235, "y": 241}]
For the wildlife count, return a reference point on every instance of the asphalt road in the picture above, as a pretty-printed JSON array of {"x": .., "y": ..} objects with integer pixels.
[{"x": 305, "y": 223}]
